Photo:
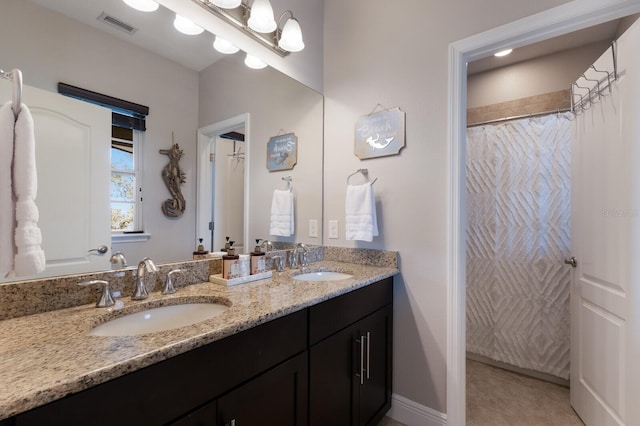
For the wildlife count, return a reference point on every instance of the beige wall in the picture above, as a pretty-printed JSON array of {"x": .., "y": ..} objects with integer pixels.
[
  {"x": 546, "y": 74},
  {"x": 50, "y": 48},
  {"x": 274, "y": 102},
  {"x": 397, "y": 55}
]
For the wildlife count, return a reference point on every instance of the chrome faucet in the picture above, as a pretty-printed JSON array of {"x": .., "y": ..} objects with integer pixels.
[
  {"x": 168, "y": 283},
  {"x": 300, "y": 259},
  {"x": 140, "y": 292},
  {"x": 118, "y": 261},
  {"x": 268, "y": 244},
  {"x": 106, "y": 298}
]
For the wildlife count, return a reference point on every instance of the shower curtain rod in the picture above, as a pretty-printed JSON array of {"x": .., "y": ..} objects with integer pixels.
[{"x": 518, "y": 117}]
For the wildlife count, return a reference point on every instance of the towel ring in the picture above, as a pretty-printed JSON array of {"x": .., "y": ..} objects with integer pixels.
[
  {"x": 365, "y": 173},
  {"x": 289, "y": 181}
]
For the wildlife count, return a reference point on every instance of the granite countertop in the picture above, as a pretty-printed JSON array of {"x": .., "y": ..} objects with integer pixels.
[{"x": 46, "y": 356}]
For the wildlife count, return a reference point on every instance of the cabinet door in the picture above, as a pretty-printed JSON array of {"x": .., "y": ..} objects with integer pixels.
[
  {"x": 331, "y": 366},
  {"x": 374, "y": 399},
  {"x": 204, "y": 416},
  {"x": 277, "y": 397}
]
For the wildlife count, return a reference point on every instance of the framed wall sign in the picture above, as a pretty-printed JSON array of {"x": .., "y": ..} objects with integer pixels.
[
  {"x": 379, "y": 134},
  {"x": 282, "y": 152}
]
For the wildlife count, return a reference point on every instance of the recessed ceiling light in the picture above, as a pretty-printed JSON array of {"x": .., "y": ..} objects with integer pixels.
[{"x": 503, "y": 53}]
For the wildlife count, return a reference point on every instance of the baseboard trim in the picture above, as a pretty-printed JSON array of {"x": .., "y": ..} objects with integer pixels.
[{"x": 413, "y": 414}]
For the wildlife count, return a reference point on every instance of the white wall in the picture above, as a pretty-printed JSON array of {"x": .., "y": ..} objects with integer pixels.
[
  {"x": 275, "y": 102},
  {"x": 50, "y": 48},
  {"x": 396, "y": 55},
  {"x": 541, "y": 75}
]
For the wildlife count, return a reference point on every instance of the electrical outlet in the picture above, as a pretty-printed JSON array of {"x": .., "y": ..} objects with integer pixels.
[
  {"x": 333, "y": 229},
  {"x": 313, "y": 228}
]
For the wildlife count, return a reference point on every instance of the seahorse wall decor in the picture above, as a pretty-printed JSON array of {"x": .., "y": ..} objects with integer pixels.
[{"x": 173, "y": 177}]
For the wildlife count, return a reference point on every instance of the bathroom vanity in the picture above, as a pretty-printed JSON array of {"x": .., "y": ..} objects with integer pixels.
[{"x": 320, "y": 354}]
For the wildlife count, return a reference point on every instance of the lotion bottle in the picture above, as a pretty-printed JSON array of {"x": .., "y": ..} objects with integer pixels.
[
  {"x": 230, "y": 263},
  {"x": 258, "y": 265}
]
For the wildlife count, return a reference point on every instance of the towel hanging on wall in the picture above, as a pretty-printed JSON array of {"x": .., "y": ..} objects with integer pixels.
[
  {"x": 20, "y": 236},
  {"x": 361, "y": 222},
  {"x": 282, "y": 215}
]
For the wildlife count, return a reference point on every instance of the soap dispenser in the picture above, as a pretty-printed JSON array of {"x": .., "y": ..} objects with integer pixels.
[
  {"x": 200, "y": 252},
  {"x": 226, "y": 245},
  {"x": 258, "y": 264},
  {"x": 230, "y": 263}
]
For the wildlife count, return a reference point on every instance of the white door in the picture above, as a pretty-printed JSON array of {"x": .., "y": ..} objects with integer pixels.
[
  {"x": 605, "y": 209},
  {"x": 73, "y": 140}
]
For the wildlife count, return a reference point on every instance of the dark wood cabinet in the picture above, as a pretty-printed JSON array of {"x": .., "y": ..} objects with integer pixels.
[
  {"x": 278, "y": 397},
  {"x": 329, "y": 364},
  {"x": 350, "y": 370}
]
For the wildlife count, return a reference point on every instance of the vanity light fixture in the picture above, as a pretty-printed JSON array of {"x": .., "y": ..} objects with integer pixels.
[
  {"x": 258, "y": 23},
  {"x": 253, "y": 62},
  {"x": 142, "y": 5},
  {"x": 185, "y": 26},
  {"x": 502, "y": 53},
  {"x": 291, "y": 35},
  {"x": 223, "y": 46},
  {"x": 227, "y": 4},
  {"x": 261, "y": 17}
]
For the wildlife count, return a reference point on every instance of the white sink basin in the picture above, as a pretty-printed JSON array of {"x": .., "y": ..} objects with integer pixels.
[
  {"x": 322, "y": 276},
  {"x": 159, "y": 319}
]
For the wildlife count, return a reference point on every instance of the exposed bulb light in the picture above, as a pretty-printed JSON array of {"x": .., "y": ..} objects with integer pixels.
[
  {"x": 223, "y": 46},
  {"x": 227, "y": 4},
  {"x": 142, "y": 5},
  {"x": 185, "y": 26},
  {"x": 253, "y": 62},
  {"x": 291, "y": 37},
  {"x": 261, "y": 18},
  {"x": 502, "y": 53}
]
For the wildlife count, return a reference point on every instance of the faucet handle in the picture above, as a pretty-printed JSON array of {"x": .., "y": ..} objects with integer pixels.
[
  {"x": 168, "y": 283},
  {"x": 106, "y": 299}
]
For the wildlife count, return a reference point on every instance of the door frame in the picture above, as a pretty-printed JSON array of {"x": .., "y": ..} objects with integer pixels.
[
  {"x": 569, "y": 17},
  {"x": 203, "y": 171}
]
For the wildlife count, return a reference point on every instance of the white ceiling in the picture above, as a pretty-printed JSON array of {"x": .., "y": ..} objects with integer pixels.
[
  {"x": 606, "y": 31},
  {"x": 155, "y": 29}
]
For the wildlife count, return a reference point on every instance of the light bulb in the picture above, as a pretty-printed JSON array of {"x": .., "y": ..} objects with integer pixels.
[
  {"x": 291, "y": 37},
  {"x": 227, "y": 4},
  {"x": 185, "y": 26},
  {"x": 223, "y": 46},
  {"x": 142, "y": 5},
  {"x": 261, "y": 18},
  {"x": 253, "y": 62}
]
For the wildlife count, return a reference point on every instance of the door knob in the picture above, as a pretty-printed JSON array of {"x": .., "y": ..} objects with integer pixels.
[
  {"x": 101, "y": 249},
  {"x": 572, "y": 261}
]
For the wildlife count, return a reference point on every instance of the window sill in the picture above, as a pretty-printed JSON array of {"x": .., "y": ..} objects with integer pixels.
[{"x": 130, "y": 238}]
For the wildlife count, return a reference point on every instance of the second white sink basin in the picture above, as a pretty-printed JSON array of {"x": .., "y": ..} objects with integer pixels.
[
  {"x": 322, "y": 276},
  {"x": 159, "y": 319}
]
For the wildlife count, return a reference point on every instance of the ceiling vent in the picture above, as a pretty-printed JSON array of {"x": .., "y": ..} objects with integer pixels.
[{"x": 116, "y": 23}]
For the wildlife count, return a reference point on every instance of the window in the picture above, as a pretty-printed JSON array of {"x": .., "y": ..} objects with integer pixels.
[
  {"x": 126, "y": 187},
  {"x": 128, "y": 126}
]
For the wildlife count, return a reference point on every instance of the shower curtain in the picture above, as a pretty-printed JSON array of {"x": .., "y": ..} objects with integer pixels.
[{"x": 518, "y": 234}]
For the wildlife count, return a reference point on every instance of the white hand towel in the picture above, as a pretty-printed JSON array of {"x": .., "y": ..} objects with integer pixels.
[
  {"x": 29, "y": 257},
  {"x": 282, "y": 223},
  {"x": 361, "y": 222},
  {"x": 7, "y": 205}
]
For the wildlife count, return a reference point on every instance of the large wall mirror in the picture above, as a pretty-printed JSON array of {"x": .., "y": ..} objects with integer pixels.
[{"x": 188, "y": 88}]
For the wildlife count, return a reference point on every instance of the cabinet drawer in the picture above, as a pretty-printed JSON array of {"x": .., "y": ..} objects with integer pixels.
[{"x": 333, "y": 315}]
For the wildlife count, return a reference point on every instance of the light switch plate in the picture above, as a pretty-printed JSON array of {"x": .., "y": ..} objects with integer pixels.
[
  {"x": 313, "y": 228},
  {"x": 333, "y": 229}
]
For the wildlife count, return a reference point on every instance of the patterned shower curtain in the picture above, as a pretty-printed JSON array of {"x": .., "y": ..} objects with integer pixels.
[{"x": 518, "y": 234}]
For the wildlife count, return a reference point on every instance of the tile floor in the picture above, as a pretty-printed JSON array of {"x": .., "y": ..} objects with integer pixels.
[{"x": 498, "y": 397}]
